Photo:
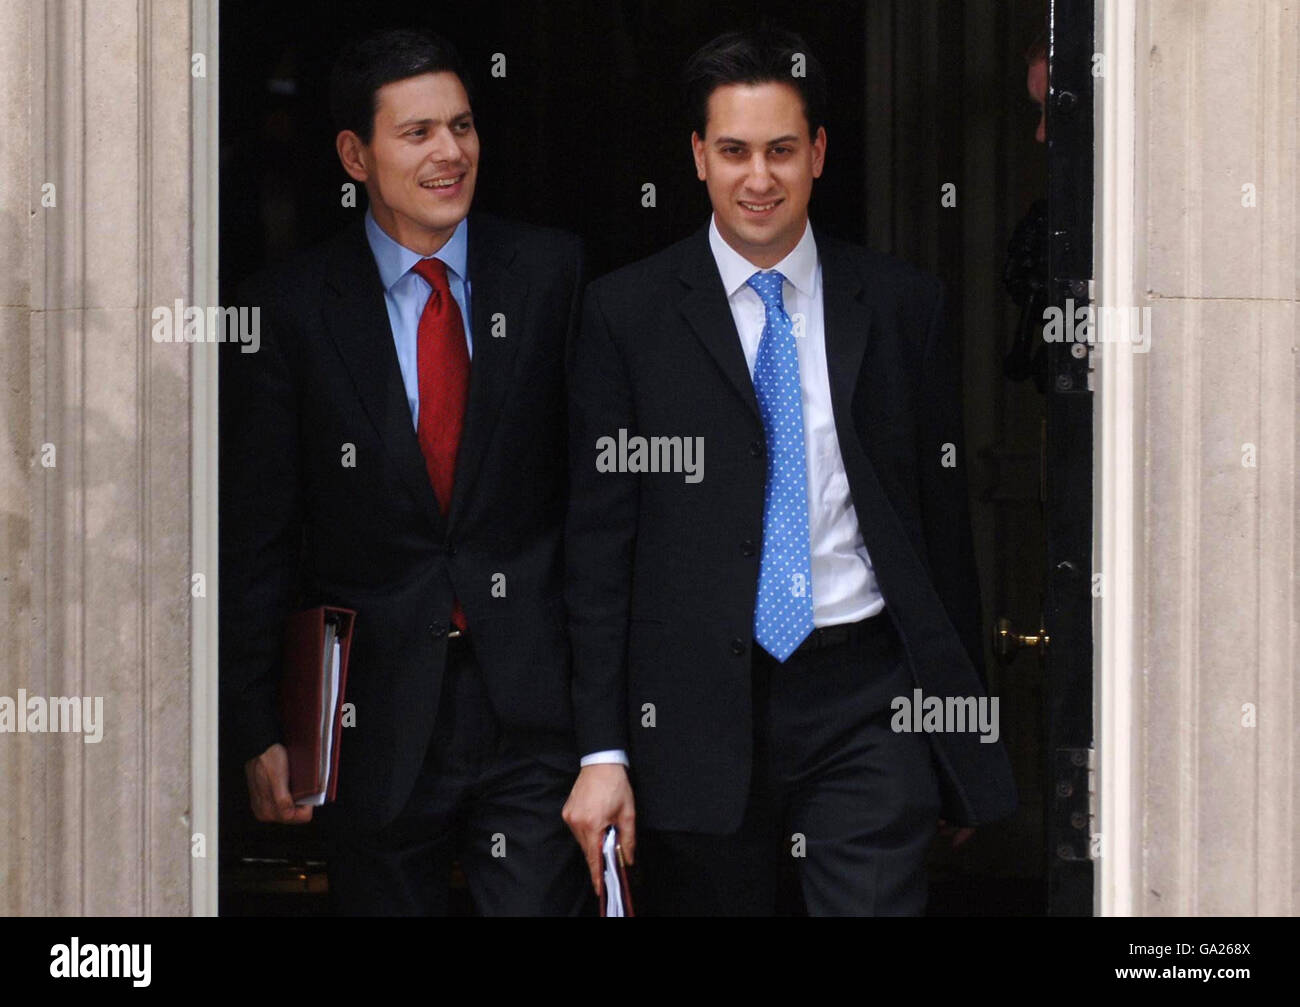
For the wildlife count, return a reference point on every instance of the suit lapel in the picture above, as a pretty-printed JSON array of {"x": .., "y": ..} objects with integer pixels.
[
  {"x": 498, "y": 286},
  {"x": 847, "y": 323},
  {"x": 705, "y": 307},
  {"x": 357, "y": 322},
  {"x": 848, "y": 332}
]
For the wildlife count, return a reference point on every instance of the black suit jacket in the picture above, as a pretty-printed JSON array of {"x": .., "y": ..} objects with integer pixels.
[
  {"x": 298, "y": 528},
  {"x": 663, "y": 573}
]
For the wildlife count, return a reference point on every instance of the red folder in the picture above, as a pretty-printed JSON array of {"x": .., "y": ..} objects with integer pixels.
[{"x": 316, "y": 645}]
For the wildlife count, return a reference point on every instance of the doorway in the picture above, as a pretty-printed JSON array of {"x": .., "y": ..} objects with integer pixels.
[{"x": 932, "y": 158}]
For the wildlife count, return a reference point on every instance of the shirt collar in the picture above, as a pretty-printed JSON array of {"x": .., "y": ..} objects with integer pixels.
[
  {"x": 799, "y": 267},
  {"x": 395, "y": 260}
]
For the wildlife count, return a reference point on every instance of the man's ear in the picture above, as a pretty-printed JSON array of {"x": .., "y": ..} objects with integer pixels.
[
  {"x": 352, "y": 154},
  {"x": 697, "y": 150},
  {"x": 819, "y": 152}
]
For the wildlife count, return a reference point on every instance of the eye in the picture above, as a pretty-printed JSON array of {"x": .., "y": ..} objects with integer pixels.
[
  {"x": 419, "y": 131},
  {"x": 464, "y": 126},
  {"x": 731, "y": 151},
  {"x": 781, "y": 151}
]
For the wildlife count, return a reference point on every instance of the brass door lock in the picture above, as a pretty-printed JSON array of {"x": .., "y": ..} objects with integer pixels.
[{"x": 1007, "y": 643}]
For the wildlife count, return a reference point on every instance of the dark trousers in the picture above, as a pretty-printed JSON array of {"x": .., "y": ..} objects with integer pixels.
[
  {"x": 836, "y": 797},
  {"x": 482, "y": 798}
]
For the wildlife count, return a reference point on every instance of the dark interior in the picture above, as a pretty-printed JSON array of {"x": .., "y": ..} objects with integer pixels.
[{"x": 924, "y": 93}]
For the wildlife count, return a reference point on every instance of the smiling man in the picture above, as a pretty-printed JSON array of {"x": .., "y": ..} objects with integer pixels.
[
  {"x": 739, "y": 641},
  {"x": 397, "y": 446}
]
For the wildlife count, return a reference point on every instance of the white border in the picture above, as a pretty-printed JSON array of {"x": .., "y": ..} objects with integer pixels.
[
  {"x": 1117, "y": 668},
  {"x": 204, "y": 229}
]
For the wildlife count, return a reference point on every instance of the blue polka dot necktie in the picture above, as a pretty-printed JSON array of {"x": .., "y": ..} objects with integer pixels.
[{"x": 783, "y": 616}]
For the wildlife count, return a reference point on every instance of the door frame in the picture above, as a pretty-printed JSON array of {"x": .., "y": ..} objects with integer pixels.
[
  {"x": 1109, "y": 274},
  {"x": 204, "y": 231},
  {"x": 1116, "y": 467},
  {"x": 1118, "y": 473}
]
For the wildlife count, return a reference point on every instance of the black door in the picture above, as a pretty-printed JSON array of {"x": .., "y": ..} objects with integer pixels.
[
  {"x": 1067, "y": 614},
  {"x": 1058, "y": 646}
]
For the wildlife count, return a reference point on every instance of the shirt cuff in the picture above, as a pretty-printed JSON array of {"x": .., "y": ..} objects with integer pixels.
[{"x": 607, "y": 757}]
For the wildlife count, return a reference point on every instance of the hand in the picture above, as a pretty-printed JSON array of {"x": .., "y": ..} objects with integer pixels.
[
  {"x": 601, "y": 796},
  {"x": 268, "y": 788},
  {"x": 959, "y": 835}
]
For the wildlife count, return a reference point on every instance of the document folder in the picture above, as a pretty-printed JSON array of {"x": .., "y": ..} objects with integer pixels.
[{"x": 316, "y": 644}]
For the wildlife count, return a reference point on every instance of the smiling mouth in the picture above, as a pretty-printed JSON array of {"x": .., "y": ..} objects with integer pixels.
[
  {"x": 761, "y": 207},
  {"x": 441, "y": 183}
]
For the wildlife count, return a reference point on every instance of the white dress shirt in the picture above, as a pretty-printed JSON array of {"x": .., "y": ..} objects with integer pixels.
[{"x": 844, "y": 587}]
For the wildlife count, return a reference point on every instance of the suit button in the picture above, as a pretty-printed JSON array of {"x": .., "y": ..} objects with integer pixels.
[
  {"x": 756, "y": 449},
  {"x": 738, "y": 646},
  {"x": 451, "y": 550},
  {"x": 747, "y": 547},
  {"x": 437, "y": 630}
]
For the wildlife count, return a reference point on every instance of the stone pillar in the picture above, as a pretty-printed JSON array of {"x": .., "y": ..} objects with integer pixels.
[
  {"x": 1200, "y": 645},
  {"x": 95, "y": 476}
]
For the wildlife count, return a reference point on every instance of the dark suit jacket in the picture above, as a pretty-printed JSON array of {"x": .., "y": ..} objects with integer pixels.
[
  {"x": 299, "y": 529},
  {"x": 663, "y": 573}
]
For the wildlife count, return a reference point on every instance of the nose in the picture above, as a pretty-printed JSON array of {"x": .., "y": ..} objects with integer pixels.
[
  {"x": 444, "y": 146},
  {"x": 760, "y": 178}
]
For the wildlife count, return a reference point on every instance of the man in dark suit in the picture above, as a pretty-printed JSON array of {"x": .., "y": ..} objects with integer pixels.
[
  {"x": 368, "y": 464},
  {"x": 748, "y": 632}
]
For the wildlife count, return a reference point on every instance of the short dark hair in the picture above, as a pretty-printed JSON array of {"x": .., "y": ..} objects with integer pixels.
[
  {"x": 756, "y": 56},
  {"x": 367, "y": 64}
]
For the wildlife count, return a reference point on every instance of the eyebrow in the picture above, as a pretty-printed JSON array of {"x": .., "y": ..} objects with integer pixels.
[
  {"x": 430, "y": 122},
  {"x": 723, "y": 140}
]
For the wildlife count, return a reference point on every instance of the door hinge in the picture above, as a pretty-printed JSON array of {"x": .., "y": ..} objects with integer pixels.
[
  {"x": 1074, "y": 803},
  {"x": 1094, "y": 808}
]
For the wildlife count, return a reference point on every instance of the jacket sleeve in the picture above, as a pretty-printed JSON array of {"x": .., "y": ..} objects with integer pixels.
[
  {"x": 261, "y": 531},
  {"x": 600, "y": 535}
]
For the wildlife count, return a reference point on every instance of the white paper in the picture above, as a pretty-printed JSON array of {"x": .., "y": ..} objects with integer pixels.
[{"x": 613, "y": 884}]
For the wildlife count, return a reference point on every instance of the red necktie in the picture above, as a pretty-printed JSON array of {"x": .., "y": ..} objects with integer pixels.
[{"x": 442, "y": 366}]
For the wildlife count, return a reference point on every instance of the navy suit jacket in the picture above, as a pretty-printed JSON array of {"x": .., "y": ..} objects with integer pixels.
[
  {"x": 299, "y": 528},
  {"x": 663, "y": 572}
]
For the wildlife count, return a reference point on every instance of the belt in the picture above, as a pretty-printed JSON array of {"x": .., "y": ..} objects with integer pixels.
[{"x": 844, "y": 633}]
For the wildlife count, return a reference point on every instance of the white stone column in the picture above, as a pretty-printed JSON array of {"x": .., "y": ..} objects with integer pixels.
[
  {"x": 1198, "y": 641},
  {"x": 95, "y": 98}
]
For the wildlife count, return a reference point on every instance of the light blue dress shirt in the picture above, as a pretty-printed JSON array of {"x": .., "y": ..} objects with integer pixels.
[{"x": 406, "y": 293}]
